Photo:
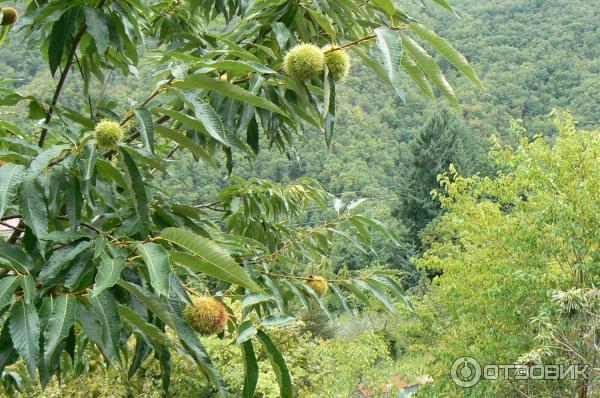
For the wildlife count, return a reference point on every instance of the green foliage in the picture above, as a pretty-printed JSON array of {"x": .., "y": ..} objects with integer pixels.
[
  {"x": 321, "y": 367},
  {"x": 505, "y": 250},
  {"x": 104, "y": 255}
]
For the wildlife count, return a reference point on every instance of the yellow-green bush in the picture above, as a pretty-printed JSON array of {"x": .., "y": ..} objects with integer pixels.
[{"x": 319, "y": 368}]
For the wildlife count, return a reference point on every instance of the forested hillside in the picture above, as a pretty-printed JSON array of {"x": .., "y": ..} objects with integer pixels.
[
  {"x": 481, "y": 221},
  {"x": 528, "y": 69}
]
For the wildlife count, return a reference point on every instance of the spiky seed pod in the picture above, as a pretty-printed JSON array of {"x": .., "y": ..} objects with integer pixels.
[
  {"x": 319, "y": 284},
  {"x": 338, "y": 63},
  {"x": 206, "y": 315},
  {"x": 9, "y": 16},
  {"x": 304, "y": 61},
  {"x": 109, "y": 134}
]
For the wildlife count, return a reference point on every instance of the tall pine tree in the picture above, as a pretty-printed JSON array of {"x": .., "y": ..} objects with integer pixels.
[{"x": 443, "y": 140}]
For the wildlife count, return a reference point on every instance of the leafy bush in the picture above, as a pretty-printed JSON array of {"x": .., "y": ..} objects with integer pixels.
[{"x": 509, "y": 243}]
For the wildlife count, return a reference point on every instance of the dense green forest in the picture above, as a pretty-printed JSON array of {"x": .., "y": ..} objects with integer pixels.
[{"x": 490, "y": 214}]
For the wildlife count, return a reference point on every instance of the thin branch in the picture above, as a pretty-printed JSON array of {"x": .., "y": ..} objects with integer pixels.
[
  {"x": 300, "y": 278},
  {"x": 11, "y": 217},
  {"x": 271, "y": 257},
  {"x": 16, "y": 228},
  {"x": 61, "y": 83},
  {"x": 358, "y": 41}
]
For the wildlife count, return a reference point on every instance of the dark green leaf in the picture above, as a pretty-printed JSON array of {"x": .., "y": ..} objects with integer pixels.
[
  {"x": 109, "y": 273},
  {"x": 59, "y": 323},
  {"x": 59, "y": 37},
  {"x": 60, "y": 259},
  {"x": 24, "y": 329},
  {"x": 11, "y": 176},
  {"x": 74, "y": 202},
  {"x": 228, "y": 90},
  {"x": 157, "y": 261},
  {"x": 250, "y": 370},
  {"x": 33, "y": 208},
  {"x": 140, "y": 325},
  {"x": 105, "y": 308},
  {"x": 185, "y": 142},
  {"x": 146, "y": 127},
  {"x": 430, "y": 67},
  {"x": 281, "y": 371},
  {"x": 8, "y": 285},
  {"x": 277, "y": 320},
  {"x": 208, "y": 258},
  {"x": 378, "y": 294},
  {"x": 448, "y": 51},
  {"x": 245, "y": 331},
  {"x": 97, "y": 26},
  {"x": 137, "y": 193},
  {"x": 18, "y": 259},
  {"x": 150, "y": 300}
]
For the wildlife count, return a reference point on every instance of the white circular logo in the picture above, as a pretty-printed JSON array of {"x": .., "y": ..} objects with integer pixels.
[{"x": 465, "y": 372}]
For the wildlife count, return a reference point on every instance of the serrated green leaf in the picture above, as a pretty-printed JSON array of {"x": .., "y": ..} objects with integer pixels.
[
  {"x": 60, "y": 259},
  {"x": 277, "y": 320},
  {"x": 43, "y": 159},
  {"x": 11, "y": 176},
  {"x": 390, "y": 43},
  {"x": 236, "y": 66},
  {"x": 138, "y": 324},
  {"x": 187, "y": 143},
  {"x": 59, "y": 324},
  {"x": 29, "y": 291},
  {"x": 395, "y": 288},
  {"x": 342, "y": 299},
  {"x": 16, "y": 257},
  {"x": 211, "y": 121},
  {"x": 417, "y": 75},
  {"x": 137, "y": 193},
  {"x": 245, "y": 331},
  {"x": 59, "y": 37},
  {"x": 254, "y": 298},
  {"x": 298, "y": 294},
  {"x": 431, "y": 68},
  {"x": 24, "y": 326},
  {"x": 386, "y": 5},
  {"x": 111, "y": 173},
  {"x": 250, "y": 370},
  {"x": 33, "y": 208},
  {"x": 228, "y": 90},
  {"x": 208, "y": 257},
  {"x": 97, "y": 26},
  {"x": 281, "y": 371},
  {"x": 146, "y": 127},
  {"x": 74, "y": 202},
  {"x": 8, "y": 285},
  {"x": 442, "y": 46},
  {"x": 105, "y": 308},
  {"x": 379, "y": 295},
  {"x": 108, "y": 274},
  {"x": 157, "y": 261},
  {"x": 150, "y": 300},
  {"x": 317, "y": 298}
]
